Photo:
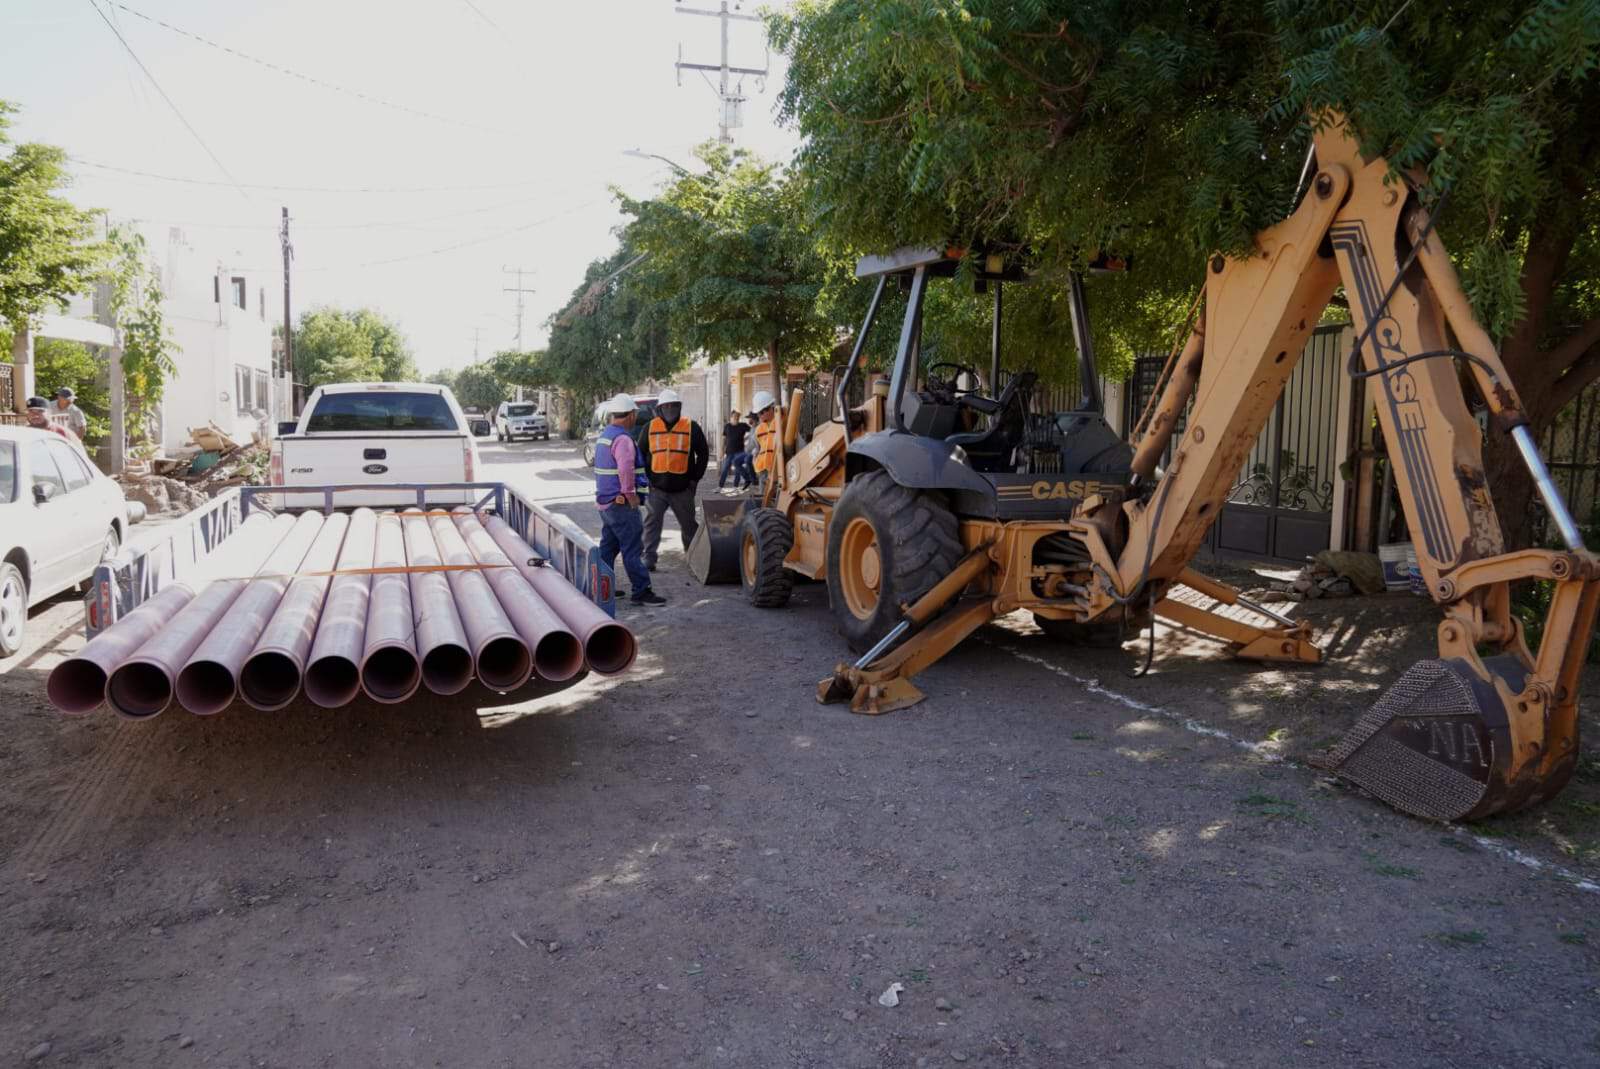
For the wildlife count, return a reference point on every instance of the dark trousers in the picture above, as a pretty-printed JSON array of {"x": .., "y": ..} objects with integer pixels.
[
  {"x": 681, "y": 502},
  {"x": 623, "y": 530},
  {"x": 739, "y": 464}
]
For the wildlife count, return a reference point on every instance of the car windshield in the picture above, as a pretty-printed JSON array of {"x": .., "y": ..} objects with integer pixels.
[
  {"x": 8, "y": 473},
  {"x": 381, "y": 412},
  {"x": 519, "y": 410}
]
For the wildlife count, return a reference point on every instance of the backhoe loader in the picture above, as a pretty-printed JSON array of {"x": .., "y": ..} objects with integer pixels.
[{"x": 933, "y": 507}]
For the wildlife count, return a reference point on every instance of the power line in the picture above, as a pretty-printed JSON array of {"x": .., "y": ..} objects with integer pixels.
[
  {"x": 300, "y": 189},
  {"x": 170, "y": 103},
  {"x": 279, "y": 69},
  {"x": 370, "y": 225},
  {"x": 476, "y": 11}
]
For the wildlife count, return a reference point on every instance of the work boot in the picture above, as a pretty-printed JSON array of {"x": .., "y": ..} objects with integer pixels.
[
  {"x": 647, "y": 597},
  {"x": 649, "y": 565}
]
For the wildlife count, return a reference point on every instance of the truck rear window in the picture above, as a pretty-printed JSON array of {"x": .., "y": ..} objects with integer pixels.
[{"x": 381, "y": 412}]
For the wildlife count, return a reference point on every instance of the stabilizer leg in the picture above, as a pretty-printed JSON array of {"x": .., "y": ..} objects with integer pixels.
[{"x": 1281, "y": 640}]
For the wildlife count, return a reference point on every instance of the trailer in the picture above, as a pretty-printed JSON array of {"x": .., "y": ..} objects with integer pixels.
[{"x": 244, "y": 599}]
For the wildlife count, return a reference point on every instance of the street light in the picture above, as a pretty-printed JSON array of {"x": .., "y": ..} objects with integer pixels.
[{"x": 639, "y": 154}]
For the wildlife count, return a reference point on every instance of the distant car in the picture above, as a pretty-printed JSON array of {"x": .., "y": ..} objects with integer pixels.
[
  {"x": 644, "y": 407},
  {"x": 479, "y": 425},
  {"x": 520, "y": 419},
  {"x": 59, "y": 518}
]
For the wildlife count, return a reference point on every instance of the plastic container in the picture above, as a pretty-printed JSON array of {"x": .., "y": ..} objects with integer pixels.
[{"x": 1399, "y": 560}]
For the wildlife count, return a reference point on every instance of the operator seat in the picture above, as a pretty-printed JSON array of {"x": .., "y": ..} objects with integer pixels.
[{"x": 990, "y": 449}]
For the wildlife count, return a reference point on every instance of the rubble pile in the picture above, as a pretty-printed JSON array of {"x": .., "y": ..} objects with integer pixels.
[
  {"x": 174, "y": 485},
  {"x": 1330, "y": 574}
]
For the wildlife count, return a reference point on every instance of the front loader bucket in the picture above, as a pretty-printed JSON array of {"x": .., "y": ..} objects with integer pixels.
[
  {"x": 714, "y": 552},
  {"x": 1438, "y": 745}
]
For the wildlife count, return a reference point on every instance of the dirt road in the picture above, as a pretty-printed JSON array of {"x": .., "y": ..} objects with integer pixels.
[{"x": 697, "y": 865}]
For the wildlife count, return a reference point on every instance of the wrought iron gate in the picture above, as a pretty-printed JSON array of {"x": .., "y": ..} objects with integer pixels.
[{"x": 1281, "y": 507}]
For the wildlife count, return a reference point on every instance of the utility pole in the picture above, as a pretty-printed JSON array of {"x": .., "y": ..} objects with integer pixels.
[
  {"x": 519, "y": 291},
  {"x": 730, "y": 102},
  {"x": 288, "y": 323},
  {"x": 476, "y": 331}
]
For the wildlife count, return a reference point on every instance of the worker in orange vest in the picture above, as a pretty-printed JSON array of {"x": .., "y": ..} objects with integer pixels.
[
  {"x": 675, "y": 454},
  {"x": 766, "y": 432}
]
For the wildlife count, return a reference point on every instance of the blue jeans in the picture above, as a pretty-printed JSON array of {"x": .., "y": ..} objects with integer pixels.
[
  {"x": 623, "y": 529},
  {"x": 740, "y": 463}
]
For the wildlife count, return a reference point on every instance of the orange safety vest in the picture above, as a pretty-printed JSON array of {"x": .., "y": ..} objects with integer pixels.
[
  {"x": 764, "y": 432},
  {"x": 669, "y": 446}
]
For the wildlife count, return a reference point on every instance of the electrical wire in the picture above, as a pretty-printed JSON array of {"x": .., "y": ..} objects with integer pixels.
[
  {"x": 478, "y": 12},
  {"x": 372, "y": 225},
  {"x": 301, "y": 189},
  {"x": 187, "y": 125},
  {"x": 308, "y": 79}
]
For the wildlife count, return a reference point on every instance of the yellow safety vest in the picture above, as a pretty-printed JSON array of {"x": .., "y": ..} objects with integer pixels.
[
  {"x": 669, "y": 446},
  {"x": 764, "y": 432}
]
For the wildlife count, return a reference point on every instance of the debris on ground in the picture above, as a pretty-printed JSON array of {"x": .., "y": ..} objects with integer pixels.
[
  {"x": 175, "y": 485},
  {"x": 891, "y": 995},
  {"x": 1331, "y": 574}
]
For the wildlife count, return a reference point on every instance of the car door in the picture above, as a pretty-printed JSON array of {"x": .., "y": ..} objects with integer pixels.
[
  {"x": 49, "y": 550},
  {"x": 83, "y": 519}
]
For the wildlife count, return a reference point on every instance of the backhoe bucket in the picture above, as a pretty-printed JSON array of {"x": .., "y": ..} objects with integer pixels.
[
  {"x": 714, "y": 552},
  {"x": 1438, "y": 745}
]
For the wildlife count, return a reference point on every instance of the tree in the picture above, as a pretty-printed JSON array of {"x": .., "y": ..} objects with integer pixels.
[
  {"x": 58, "y": 363},
  {"x": 611, "y": 336},
  {"x": 478, "y": 385},
  {"x": 332, "y": 345},
  {"x": 1169, "y": 131},
  {"x": 443, "y": 378},
  {"x": 528, "y": 369},
  {"x": 147, "y": 345},
  {"x": 46, "y": 249}
]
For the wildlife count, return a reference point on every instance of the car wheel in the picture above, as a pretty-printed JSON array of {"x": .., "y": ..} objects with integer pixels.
[{"x": 13, "y": 609}]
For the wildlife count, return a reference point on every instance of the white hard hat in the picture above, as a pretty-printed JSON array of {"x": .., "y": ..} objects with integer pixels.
[
  {"x": 669, "y": 397},
  {"x": 763, "y": 400},
  {"x": 620, "y": 404}
]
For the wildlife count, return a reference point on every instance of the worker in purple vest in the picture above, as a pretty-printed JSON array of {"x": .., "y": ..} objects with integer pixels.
[{"x": 619, "y": 485}]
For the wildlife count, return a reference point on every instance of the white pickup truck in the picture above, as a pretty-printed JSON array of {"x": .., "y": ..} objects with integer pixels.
[{"x": 381, "y": 433}]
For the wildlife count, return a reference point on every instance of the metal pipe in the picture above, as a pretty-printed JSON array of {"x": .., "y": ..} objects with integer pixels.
[
  {"x": 333, "y": 674},
  {"x": 441, "y": 641},
  {"x": 143, "y": 685},
  {"x": 271, "y": 675},
  {"x": 501, "y": 658},
  {"x": 78, "y": 684},
  {"x": 608, "y": 646},
  {"x": 557, "y": 653},
  {"x": 209, "y": 679},
  {"x": 390, "y": 670},
  {"x": 1570, "y": 534}
]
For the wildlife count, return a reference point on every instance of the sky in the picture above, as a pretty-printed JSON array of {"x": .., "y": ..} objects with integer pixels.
[{"x": 527, "y": 108}]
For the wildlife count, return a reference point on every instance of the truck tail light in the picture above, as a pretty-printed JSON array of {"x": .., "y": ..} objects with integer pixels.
[{"x": 275, "y": 465}]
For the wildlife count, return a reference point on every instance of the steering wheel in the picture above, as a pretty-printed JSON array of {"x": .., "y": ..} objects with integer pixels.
[{"x": 970, "y": 399}]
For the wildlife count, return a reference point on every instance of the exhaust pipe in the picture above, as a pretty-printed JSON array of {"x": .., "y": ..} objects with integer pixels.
[
  {"x": 143, "y": 685},
  {"x": 333, "y": 674},
  {"x": 446, "y": 657},
  {"x": 390, "y": 671},
  {"x": 270, "y": 678},
  {"x": 557, "y": 653},
  {"x": 502, "y": 659},
  {"x": 608, "y": 646},
  {"x": 209, "y": 680}
]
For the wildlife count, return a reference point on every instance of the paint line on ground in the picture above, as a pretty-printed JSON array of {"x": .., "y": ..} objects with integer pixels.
[{"x": 1263, "y": 751}]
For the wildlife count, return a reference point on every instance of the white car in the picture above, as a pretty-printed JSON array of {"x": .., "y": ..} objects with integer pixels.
[
  {"x": 520, "y": 419},
  {"x": 59, "y": 518}
]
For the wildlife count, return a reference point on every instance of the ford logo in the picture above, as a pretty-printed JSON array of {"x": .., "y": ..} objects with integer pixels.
[{"x": 375, "y": 469}]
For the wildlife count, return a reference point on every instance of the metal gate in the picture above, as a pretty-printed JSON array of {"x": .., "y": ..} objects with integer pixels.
[{"x": 1281, "y": 507}]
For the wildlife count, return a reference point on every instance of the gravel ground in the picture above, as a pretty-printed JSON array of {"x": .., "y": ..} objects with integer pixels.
[{"x": 695, "y": 864}]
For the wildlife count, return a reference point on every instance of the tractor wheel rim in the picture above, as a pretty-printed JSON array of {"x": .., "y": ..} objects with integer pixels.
[
  {"x": 860, "y": 568},
  {"x": 13, "y": 609},
  {"x": 747, "y": 559}
]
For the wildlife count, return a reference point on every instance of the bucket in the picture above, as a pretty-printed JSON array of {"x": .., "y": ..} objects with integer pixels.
[{"x": 1399, "y": 563}]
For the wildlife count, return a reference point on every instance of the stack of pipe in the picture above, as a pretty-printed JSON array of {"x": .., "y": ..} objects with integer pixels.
[{"x": 376, "y": 603}]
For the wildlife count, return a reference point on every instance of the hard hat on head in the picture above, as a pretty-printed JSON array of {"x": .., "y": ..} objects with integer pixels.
[
  {"x": 620, "y": 405},
  {"x": 669, "y": 397},
  {"x": 763, "y": 400}
]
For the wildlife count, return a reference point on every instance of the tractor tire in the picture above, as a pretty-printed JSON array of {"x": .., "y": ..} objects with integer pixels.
[
  {"x": 764, "y": 542},
  {"x": 899, "y": 543},
  {"x": 1098, "y": 636}
]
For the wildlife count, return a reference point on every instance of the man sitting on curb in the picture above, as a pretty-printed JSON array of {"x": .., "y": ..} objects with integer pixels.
[{"x": 619, "y": 483}]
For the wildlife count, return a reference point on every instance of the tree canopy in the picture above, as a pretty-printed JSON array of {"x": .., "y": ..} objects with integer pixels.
[
  {"x": 615, "y": 336},
  {"x": 333, "y": 345},
  {"x": 47, "y": 247}
]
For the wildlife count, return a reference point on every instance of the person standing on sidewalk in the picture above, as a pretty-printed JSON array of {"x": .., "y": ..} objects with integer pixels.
[
  {"x": 66, "y": 403},
  {"x": 675, "y": 455},
  {"x": 619, "y": 483},
  {"x": 734, "y": 457}
]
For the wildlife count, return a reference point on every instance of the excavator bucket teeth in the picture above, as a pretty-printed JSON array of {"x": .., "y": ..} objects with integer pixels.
[{"x": 1436, "y": 745}]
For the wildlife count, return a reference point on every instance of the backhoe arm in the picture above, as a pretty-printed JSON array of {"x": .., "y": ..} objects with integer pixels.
[{"x": 1468, "y": 734}]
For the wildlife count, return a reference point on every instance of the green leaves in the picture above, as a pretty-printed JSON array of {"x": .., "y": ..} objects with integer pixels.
[{"x": 332, "y": 345}]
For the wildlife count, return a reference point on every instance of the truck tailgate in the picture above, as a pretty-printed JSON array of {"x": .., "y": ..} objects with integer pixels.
[{"x": 338, "y": 458}]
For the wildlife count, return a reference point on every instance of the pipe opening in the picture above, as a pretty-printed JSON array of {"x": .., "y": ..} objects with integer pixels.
[
  {"x": 559, "y": 656},
  {"x": 390, "y": 674},
  {"x": 333, "y": 681},
  {"x": 504, "y": 663},
  {"x": 205, "y": 687},
  {"x": 139, "y": 689},
  {"x": 610, "y": 649},
  {"x": 76, "y": 686},
  {"x": 447, "y": 669},
  {"x": 270, "y": 680}
]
